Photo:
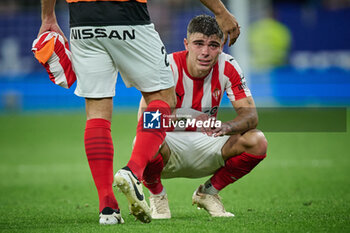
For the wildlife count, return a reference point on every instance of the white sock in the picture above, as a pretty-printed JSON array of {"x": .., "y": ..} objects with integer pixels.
[{"x": 208, "y": 188}]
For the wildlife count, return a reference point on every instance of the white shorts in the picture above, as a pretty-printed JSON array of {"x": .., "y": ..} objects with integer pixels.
[
  {"x": 100, "y": 52},
  {"x": 193, "y": 154}
]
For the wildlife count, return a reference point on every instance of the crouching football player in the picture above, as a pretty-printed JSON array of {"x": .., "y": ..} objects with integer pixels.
[{"x": 202, "y": 73}]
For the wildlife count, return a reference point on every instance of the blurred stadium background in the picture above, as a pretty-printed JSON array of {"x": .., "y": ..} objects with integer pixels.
[{"x": 294, "y": 53}]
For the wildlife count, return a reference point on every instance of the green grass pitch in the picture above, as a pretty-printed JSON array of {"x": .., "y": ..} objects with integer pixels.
[{"x": 45, "y": 183}]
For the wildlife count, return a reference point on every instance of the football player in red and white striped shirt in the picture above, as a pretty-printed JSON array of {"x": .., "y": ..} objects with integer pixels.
[
  {"x": 202, "y": 74},
  {"x": 107, "y": 37}
]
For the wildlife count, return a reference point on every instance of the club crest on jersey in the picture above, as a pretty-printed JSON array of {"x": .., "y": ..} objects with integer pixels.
[
  {"x": 151, "y": 120},
  {"x": 216, "y": 94}
]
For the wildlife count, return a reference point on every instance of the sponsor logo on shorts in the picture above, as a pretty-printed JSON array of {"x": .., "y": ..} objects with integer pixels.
[{"x": 89, "y": 33}]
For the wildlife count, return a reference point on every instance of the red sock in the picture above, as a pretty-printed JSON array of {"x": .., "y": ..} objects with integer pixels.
[
  {"x": 99, "y": 151},
  {"x": 147, "y": 141},
  {"x": 235, "y": 168},
  {"x": 151, "y": 175}
]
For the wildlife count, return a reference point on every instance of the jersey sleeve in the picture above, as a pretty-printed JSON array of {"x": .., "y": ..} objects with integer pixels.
[{"x": 236, "y": 87}]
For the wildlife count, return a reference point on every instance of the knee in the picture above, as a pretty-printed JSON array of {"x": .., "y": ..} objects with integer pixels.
[
  {"x": 167, "y": 95},
  {"x": 99, "y": 108},
  {"x": 255, "y": 142}
]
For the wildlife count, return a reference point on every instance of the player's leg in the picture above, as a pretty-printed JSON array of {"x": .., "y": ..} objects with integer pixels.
[
  {"x": 147, "y": 69},
  {"x": 152, "y": 174},
  {"x": 99, "y": 151},
  {"x": 162, "y": 101},
  {"x": 152, "y": 180},
  {"x": 147, "y": 144},
  {"x": 241, "y": 154},
  {"x": 96, "y": 78},
  {"x": 184, "y": 154},
  {"x": 252, "y": 142}
]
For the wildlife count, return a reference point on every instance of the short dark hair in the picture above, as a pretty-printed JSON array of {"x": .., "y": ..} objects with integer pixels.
[{"x": 204, "y": 24}]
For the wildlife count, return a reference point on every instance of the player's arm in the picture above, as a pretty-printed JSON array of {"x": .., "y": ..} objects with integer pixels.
[
  {"x": 227, "y": 22},
  {"x": 48, "y": 18},
  {"x": 246, "y": 119}
]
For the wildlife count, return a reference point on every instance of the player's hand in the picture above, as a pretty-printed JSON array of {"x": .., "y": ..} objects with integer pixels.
[
  {"x": 203, "y": 117},
  {"x": 51, "y": 26},
  {"x": 229, "y": 26},
  {"x": 225, "y": 129}
]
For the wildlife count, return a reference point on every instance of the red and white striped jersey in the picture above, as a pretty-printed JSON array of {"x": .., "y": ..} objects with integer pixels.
[
  {"x": 205, "y": 94},
  {"x": 53, "y": 53}
]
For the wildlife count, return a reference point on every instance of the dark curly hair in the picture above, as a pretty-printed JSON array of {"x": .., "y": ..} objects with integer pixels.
[{"x": 204, "y": 24}]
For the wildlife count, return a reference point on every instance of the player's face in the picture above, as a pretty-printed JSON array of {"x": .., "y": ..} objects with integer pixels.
[{"x": 203, "y": 53}]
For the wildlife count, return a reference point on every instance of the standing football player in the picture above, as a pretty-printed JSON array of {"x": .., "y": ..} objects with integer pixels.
[
  {"x": 202, "y": 74},
  {"x": 107, "y": 37}
]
